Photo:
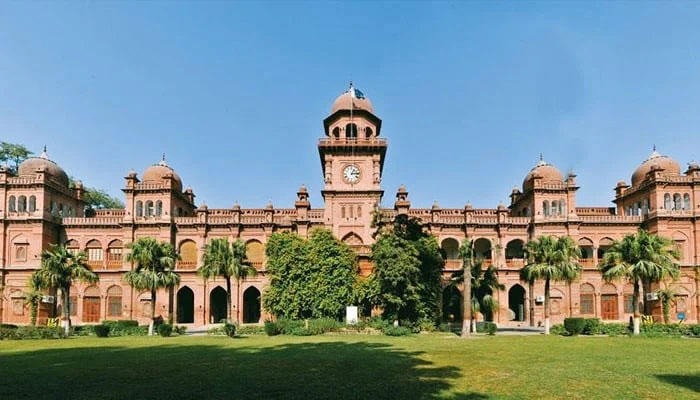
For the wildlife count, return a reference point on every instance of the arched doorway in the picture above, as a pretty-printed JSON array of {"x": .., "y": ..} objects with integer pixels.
[
  {"x": 451, "y": 304},
  {"x": 217, "y": 305},
  {"x": 251, "y": 306},
  {"x": 516, "y": 302},
  {"x": 185, "y": 305}
]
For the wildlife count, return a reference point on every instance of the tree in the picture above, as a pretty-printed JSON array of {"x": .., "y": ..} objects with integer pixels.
[
  {"x": 228, "y": 261},
  {"x": 551, "y": 259},
  {"x": 59, "y": 269},
  {"x": 154, "y": 269},
  {"x": 484, "y": 284},
  {"x": 15, "y": 153},
  {"x": 466, "y": 252},
  {"x": 311, "y": 278},
  {"x": 408, "y": 267},
  {"x": 33, "y": 296},
  {"x": 96, "y": 198},
  {"x": 639, "y": 258},
  {"x": 666, "y": 297}
]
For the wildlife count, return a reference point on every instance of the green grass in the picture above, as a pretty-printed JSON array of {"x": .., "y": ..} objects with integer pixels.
[{"x": 351, "y": 367}]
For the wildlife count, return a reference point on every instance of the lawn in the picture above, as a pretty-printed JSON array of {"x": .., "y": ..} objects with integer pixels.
[{"x": 351, "y": 367}]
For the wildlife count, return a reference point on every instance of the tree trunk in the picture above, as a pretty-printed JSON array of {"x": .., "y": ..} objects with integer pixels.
[
  {"x": 697, "y": 294},
  {"x": 635, "y": 299},
  {"x": 473, "y": 324},
  {"x": 238, "y": 300},
  {"x": 66, "y": 311},
  {"x": 546, "y": 307},
  {"x": 467, "y": 300},
  {"x": 228, "y": 298},
  {"x": 171, "y": 298},
  {"x": 153, "y": 313},
  {"x": 531, "y": 288}
]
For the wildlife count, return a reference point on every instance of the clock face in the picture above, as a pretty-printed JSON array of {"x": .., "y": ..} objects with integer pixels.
[{"x": 351, "y": 174}]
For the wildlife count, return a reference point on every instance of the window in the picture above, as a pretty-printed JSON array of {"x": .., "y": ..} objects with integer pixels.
[
  {"x": 94, "y": 254},
  {"x": 149, "y": 208},
  {"x": 54, "y": 207},
  {"x": 645, "y": 207},
  {"x": 139, "y": 209},
  {"x": 587, "y": 303},
  {"x": 351, "y": 131},
  {"x": 159, "y": 208},
  {"x": 554, "y": 208},
  {"x": 629, "y": 303},
  {"x": 676, "y": 201},
  {"x": 60, "y": 209},
  {"x": 146, "y": 308},
  {"x": 21, "y": 252},
  {"x": 667, "y": 201},
  {"x": 336, "y": 132},
  {"x": 73, "y": 305},
  {"x": 368, "y": 132},
  {"x": 11, "y": 204},
  {"x": 545, "y": 208},
  {"x": 562, "y": 207},
  {"x": 686, "y": 201},
  {"x": 359, "y": 211},
  {"x": 32, "y": 203},
  {"x": 22, "y": 204},
  {"x": 114, "y": 301},
  {"x": 342, "y": 212},
  {"x": 18, "y": 306},
  {"x": 681, "y": 304},
  {"x": 350, "y": 209}
]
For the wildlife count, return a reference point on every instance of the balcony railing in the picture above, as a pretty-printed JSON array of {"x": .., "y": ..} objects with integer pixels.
[
  {"x": 187, "y": 265},
  {"x": 96, "y": 264},
  {"x": 515, "y": 262},
  {"x": 586, "y": 262},
  {"x": 257, "y": 264},
  {"x": 453, "y": 264},
  {"x": 115, "y": 264}
]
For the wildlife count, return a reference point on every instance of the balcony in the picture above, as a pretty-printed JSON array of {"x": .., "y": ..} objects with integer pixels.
[
  {"x": 115, "y": 264},
  {"x": 187, "y": 265},
  {"x": 453, "y": 264},
  {"x": 96, "y": 264},
  {"x": 586, "y": 262},
  {"x": 515, "y": 262}
]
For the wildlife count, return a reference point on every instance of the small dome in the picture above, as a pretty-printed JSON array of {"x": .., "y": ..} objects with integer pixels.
[
  {"x": 157, "y": 172},
  {"x": 352, "y": 99},
  {"x": 29, "y": 166},
  {"x": 548, "y": 172},
  {"x": 669, "y": 166}
]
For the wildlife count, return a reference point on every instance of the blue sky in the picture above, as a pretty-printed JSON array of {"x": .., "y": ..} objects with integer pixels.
[{"x": 469, "y": 93}]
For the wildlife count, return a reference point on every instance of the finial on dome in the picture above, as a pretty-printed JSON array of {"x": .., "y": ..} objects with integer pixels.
[
  {"x": 541, "y": 158},
  {"x": 162, "y": 161},
  {"x": 44, "y": 155}
]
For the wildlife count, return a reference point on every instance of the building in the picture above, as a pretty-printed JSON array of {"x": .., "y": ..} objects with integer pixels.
[{"x": 39, "y": 208}]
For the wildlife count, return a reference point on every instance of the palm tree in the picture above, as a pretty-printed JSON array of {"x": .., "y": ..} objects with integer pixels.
[
  {"x": 228, "y": 261},
  {"x": 33, "y": 295},
  {"x": 59, "y": 269},
  {"x": 666, "y": 297},
  {"x": 466, "y": 252},
  {"x": 154, "y": 269},
  {"x": 484, "y": 284},
  {"x": 640, "y": 257},
  {"x": 551, "y": 259}
]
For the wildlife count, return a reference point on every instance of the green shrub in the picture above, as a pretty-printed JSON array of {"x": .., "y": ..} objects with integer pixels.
[
  {"x": 31, "y": 332},
  {"x": 230, "y": 330},
  {"x": 444, "y": 327},
  {"x": 218, "y": 330},
  {"x": 397, "y": 331},
  {"x": 426, "y": 325},
  {"x": 101, "y": 330},
  {"x": 251, "y": 330},
  {"x": 662, "y": 330},
  {"x": 286, "y": 325},
  {"x": 323, "y": 325},
  {"x": 358, "y": 326},
  {"x": 491, "y": 328},
  {"x": 180, "y": 330},
  {"x": 574, "y": 325},
  {"x": 271, "y": 328},
  {"x": 591, "y": 326},
  {"x": 378, "y": 323},
  {"x": 614, "y": 329},
  {"x": 695, "y": 330},
  {"x": 8, "y": 326},
  {"x": 301, "y": 331},
  {"x": 165, "y": 330},
  {"x": 557, "y": 329}
]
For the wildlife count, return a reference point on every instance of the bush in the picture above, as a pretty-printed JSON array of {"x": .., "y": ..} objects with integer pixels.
[
  {"x": 129, "y": 331},
  {"x": 301, "y": 331},
  {"x": 8, "y": 326},
  {"x": 557, "y": 329},
  {"x": 31, "y": 332},
  {"x": 230, "y": 330},
  {"x": 574, "y": 325},
  {"x": 287, "y": 326},
  {"x": 358, "y": 326},
  {"x": 491, "y": 328},
  {"x": 396, "y": 331},
  {"x": 122, "y": 323},
  {"x": 180, "y": 330},
  {"x": 251, "y": 330},
  {"x": 271, "y": 328},
  {"x": 661, "y": 330},
  {"x": 323, "y": 325},
  {"x": 101, "y": 330},
  {"x": 378, "y": 323},
  {"x": 591, "y": 326},
  {"x": 614, "y": 329},
  {"x": 444, "y": 327},
  {"x": 426, "y": 325},
  {"x": 695, "y": 330},
  {"x": 165, "y": 330},
  {"x": 218, "y": 330}
]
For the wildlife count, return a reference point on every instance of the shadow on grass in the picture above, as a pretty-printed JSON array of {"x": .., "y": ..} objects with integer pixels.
[
  {"x": 335, "y": 370},
  {"x": 691, "y": 382}
]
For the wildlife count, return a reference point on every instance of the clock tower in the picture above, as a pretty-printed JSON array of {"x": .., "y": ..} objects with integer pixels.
[{"x": 352, "y": 159}]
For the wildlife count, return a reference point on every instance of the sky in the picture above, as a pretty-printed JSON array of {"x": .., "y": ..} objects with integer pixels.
[{"x": 470, "y": 93}]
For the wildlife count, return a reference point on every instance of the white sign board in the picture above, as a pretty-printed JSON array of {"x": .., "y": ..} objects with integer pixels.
[{"x": 351, "y": 315}]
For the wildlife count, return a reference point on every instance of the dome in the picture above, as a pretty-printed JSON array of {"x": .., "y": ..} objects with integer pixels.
[
  {"x": 669, "y": 165},
  {"x": 352, "y": 99},
  {"x": 29, "y": 166},
  {"x": 548, "y": 172},
  {"x": 157, "y": 172}
]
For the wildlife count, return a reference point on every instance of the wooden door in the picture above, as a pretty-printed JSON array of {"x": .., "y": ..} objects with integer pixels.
[
  {"x": 608, "y": 304},
  {"x": 91, "y": 309}
]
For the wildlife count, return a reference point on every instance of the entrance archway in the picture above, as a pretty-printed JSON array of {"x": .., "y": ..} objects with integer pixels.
[
  {"x": 251, "y": 305},
  {"x": 516, "y": 302},
  {"x": 185, "y": 305},
  {"x": 451, "y": 304},
  {"x": 217, "y": 305}
]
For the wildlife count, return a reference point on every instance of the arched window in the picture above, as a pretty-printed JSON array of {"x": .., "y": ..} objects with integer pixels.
[
  {"x": 115, "y": 255},
  {"x": 586, "y": 299},
  {"x": 342, "y": 212},
  {"x": 114, "y": 301},
  {"x": 11, "y": 204},
  {"x": 645, "y": 207},
  {"x": 359, "y": 211},
  {"x": 350, "y": 211},
  {"x": 179, "y": 212},
  {"x": 139, "y": 209},
  {"x": 545, "y": 208},
  {"x": 554, "y": 208},
  {"x": 149, "y": 208},
  {"x": 54, "y": 207},
  {"x": 159, "y": 208},
  {"x": 95, "y": 253},
  {"x": 351, "y": 131},
  {"x": 255, "y": 252},
  {"x": 336, "y": 132},
  {"x": 686, "y": 201},
  {"x": 676, "y": 201},
  {"x": 72, "y": 246},
  {"x": 22, "y": 203},
  {"x": 667, "y": 201},
  {"x": 188, "y": 254},
  {"x": 450, "y": 248},
  {"x": 562, "y": 207},
  {"x": 32, "y": 203},
  {"x": 368, "y": 132},
  {"x": 60, "y": 209}
]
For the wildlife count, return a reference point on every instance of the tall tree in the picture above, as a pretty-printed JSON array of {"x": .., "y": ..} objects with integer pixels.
[
  {"x": 227, "y": 260},
  {"x": 484, "y": 285},
  {"x": 59, "y": 270},
  {"x": 33, "y": 296},
  {"x": 466, "y": 252},
  {"x": 16, "y": 153},
  {"x": 667, "y": 296},
  {"x": 640, "y": 257},
  {"x": 154, "y": 269},
  {"x": 551, "y": 259}
]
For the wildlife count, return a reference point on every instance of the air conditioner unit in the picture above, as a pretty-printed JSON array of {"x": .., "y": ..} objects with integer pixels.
[
  {"x": 652, "y": 296},
  {"x": 47, "y": 299},
  {"x": 539, "y": 299}
]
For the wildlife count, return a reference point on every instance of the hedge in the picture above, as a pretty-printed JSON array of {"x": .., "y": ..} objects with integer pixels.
[
  {"x": 31, "y": 332},
  {"x": 574, "y": 325},
  {"x": 165, "y": 330}
]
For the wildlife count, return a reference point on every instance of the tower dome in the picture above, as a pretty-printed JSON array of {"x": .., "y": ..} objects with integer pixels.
[
  {"x": 157, "y": 172},
  {"x": 29, "y": 167},
  {"x": 547, "y": 172},
  {"x": 669, "y": 166},
  {"x": 352, "y": 99}
]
